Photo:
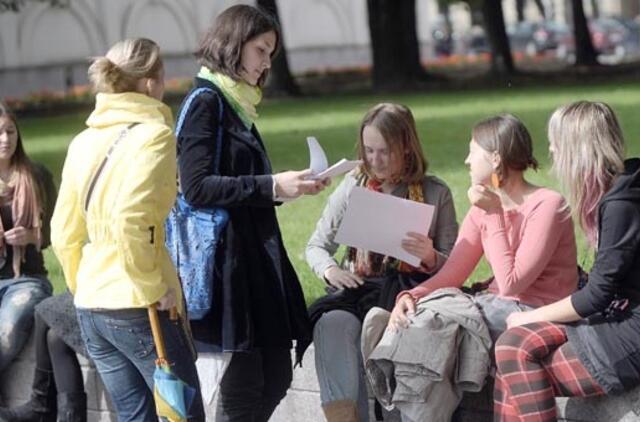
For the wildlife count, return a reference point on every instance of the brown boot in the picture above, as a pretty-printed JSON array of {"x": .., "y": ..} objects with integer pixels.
[{"x": 341, "y": 411}]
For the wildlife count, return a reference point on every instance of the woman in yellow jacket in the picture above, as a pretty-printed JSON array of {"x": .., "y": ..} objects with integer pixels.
[{"x": 118, "y": 184}]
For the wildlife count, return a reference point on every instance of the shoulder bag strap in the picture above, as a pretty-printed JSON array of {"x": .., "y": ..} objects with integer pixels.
[
  {"x": 183, "y": 115},
  {"x": 96, "y": 176},
  {"x": 216, "y": 162}
]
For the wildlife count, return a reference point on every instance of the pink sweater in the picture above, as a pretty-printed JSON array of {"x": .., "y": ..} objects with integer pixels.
[{"x": 531, "y": 250}]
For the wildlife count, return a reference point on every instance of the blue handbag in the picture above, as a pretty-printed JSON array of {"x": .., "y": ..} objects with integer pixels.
[{"x": 193, "y": 233}]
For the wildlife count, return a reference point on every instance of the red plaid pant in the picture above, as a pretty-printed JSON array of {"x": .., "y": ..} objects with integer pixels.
[{"x": 535, "y": 363}]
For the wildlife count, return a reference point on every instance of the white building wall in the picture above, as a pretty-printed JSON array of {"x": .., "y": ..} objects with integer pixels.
[{"x": 44, "y": 47}]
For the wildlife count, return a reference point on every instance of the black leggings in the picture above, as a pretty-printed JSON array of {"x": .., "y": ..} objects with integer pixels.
[{"x": 53, "y": 354}]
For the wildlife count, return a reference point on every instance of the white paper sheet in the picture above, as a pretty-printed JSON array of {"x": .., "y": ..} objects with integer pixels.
[
  {"x": 319, "y": 165},
  {"x": 341, "y": 167},
  {"x": 378, "y": 222}
]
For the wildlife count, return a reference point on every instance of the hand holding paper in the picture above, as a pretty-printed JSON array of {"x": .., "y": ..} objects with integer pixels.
[
  {"x": 319, "y": 165},
  {"x": 379, "y": 223}
]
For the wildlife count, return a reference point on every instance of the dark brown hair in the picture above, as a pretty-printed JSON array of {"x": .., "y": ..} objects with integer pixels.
[
  {"x": 508, "y": 136},
  {"x": 398, "y": 128},
  {"x": 220, "y": 49}
]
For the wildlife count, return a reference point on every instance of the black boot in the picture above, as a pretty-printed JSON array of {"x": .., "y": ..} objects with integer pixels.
[
  {"x": 72, "y": 407},
  {"x": 42, "y": 405}
]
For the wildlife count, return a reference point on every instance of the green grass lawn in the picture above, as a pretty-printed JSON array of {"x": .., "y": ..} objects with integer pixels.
[{"x": 444, "y": 122}]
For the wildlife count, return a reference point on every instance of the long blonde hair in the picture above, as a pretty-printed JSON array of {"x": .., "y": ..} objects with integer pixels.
[
  {"x": 588, "y": 154},
  {"x": 124, "y": 65}
]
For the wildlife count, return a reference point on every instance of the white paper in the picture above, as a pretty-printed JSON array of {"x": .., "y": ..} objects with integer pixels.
[
  {"x": 319, "y": 164},
  {"x": 341, "y": 167},
  {"x": 378, "y": 222}
]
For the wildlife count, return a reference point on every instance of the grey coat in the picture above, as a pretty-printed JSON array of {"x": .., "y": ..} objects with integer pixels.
[
  {"x": 443, "y": 231},
  {"x": 424, "y": 369}
]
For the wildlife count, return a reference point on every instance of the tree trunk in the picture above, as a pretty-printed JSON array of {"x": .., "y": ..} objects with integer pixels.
[
  {"x": 281, "y": 79},
  {"x": 394, "y": 43},
  {"x": 520, "y": 9},
  {"x": 443, "y": 9},
  {"x": 595, "y": 9},
  {"x": 520, "y": 5},
  {"x": 585, "y": 52},
  {"x": 501, "y": 59},
  {"x": 541, "y": 8}
]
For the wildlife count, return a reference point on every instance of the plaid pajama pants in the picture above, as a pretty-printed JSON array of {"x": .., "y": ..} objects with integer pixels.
[{"x": 535, "y": 363}]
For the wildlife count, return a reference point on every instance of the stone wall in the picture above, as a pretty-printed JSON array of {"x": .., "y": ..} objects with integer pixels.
[{"x": 303, "y": 400}]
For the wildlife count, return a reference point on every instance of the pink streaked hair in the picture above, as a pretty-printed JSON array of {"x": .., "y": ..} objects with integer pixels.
[{"x": 587, "y": 148}]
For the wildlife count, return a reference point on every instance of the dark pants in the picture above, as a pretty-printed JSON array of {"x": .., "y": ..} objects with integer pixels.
[
  {"x": 253, "y": 385},
  {"x": 52, "y": 354}
]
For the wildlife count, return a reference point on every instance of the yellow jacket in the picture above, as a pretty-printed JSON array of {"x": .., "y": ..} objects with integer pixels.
[{"x": 113, "y": 256}]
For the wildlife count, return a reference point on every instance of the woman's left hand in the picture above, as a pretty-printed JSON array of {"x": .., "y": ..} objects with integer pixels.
[
  {"x": 420, "y": 246},
  {"x": 20, "y": 236},
  {"x": 516, "y": 319},
  {"x": 484, "y": 198}
]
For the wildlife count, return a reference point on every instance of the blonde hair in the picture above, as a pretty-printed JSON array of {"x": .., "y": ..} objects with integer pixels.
[
  {"x": 588, "y": 154},
  {"x": 398, "y": 128},
  {"x": 124, "y": 65}
]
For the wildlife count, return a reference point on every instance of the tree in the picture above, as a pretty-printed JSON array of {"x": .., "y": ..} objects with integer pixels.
[
  {"x": 493, "y": 17},
  {"x": 394, "y": 43},
  {"x": 520, "y": 4},
  {"x": 586, "y": 54},
  {"x": 281, "y": 78},
  {"x": 595, "y": 9}
]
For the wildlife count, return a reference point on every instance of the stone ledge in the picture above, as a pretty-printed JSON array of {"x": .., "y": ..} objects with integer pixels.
[
  {"x": 15, "y": 385},
  {"x": 302, "y": 402}
]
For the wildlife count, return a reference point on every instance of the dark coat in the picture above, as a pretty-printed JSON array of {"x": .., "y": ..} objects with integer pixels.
[{"x": 258, "y": 301}]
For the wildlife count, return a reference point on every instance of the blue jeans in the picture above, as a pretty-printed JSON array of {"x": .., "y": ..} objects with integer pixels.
[
  {"x": 121, "y": 344},
  {"x": 336, "y": 338},
  {"x": 18, "y": 298},
  {"x": 495, "y": 310}
]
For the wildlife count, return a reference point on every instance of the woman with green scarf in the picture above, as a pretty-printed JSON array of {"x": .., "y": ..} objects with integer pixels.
[{"x": 258, "y": 306}]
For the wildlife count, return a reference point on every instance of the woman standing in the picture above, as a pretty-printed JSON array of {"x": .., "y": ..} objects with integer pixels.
[
  {"x": 258, "y": 304},
  {"x": 118, "y": 184},
  {"x": 27, "y": 197},
  {"x": 589, "y": 342},
  {"x": 394, "y": 164}
]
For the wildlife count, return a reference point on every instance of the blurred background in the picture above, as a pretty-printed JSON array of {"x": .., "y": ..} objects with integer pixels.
[{"x": 45, "y": 44}]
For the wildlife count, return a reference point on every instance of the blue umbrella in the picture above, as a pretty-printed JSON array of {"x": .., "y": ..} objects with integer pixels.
[{"x": 173, "y": 397}]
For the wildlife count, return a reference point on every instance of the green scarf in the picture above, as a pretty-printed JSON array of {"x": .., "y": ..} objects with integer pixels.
[{"x": 242, "y": 96}]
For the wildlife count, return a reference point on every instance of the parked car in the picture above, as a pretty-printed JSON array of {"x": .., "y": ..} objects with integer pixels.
[
  {"x": 614, "y": 39},
  {"x": 442, "y": 40},
  {"x": 608, "y": 36},
  {"x": 535, "y": 38},
  {"x": 477, "y": 42}
]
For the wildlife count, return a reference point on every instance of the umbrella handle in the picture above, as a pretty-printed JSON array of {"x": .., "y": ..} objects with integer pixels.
[{"x": 157, "y": 332}]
